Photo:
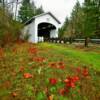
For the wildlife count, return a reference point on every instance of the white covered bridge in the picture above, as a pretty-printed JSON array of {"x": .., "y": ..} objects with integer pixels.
[{"x": 42, "y": 26}]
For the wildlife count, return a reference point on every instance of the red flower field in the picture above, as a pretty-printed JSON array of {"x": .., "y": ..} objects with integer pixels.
[{"x": 40, "y": 72}]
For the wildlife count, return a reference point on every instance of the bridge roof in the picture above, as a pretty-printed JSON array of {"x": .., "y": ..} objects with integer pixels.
[{"x": 31, "y": 20}]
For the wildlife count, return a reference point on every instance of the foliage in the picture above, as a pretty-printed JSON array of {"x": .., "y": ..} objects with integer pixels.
[
  {"x": 39, "y": 11},
  {"x": 9, "y": 29},
  {"x": 77, "y": 20},
  {"x": 28, "y": 10},
  {"x": 91, "y": 18},
  {"x": 63, "y": 29},
  {"x": 73, "y": 26},
  {"x": 84, "y": 21}
]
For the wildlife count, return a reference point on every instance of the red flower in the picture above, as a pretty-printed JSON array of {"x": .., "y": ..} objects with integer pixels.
[
  {"x": 70, "y": 85},
  {"x": 78, "y": 69},
  {"x": 53, "y": 81},
  {"x": 66, "y": 80},
  {"x": 85, "y": 72},
  {"x": 27, "y": 75},
  {"x": 39, "y": 59},
  {"x": 14, "y": 94},
  {"x": 62, "y": 91},
  {"x": 61, "y": 67},
  {"x": 53, "y": 65},
  {"x": 75, "y": 78},
  {"x": 32, "y": 50},
  {"x": 70, "y": 81},
  {"x": 60, "y": 63}
]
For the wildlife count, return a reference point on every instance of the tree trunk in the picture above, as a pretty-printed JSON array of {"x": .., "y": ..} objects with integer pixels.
[
  {"x": 86, "y": 41},
  {"x": 70, "y": 40},
  {"x": 16, "y": 9}
]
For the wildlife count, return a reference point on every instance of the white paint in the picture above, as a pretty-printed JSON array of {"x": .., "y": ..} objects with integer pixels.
[
  {"x": 40, "y": 39},
  {"x": 32, "y": 28},
  {"x": 53, "y": 34}
]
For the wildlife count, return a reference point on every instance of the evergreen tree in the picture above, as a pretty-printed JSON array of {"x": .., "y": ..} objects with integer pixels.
[
  {"x": 97, "y": 17},
  {"x": 28, "y": 10},
  {"x": 91, "y": 19},
  {"x": 63, "y": 29},
  {"x": 84, "y": 21},
  {"x": 39, "y": 10},
  {"x": 77, "y": 19},
  {"x": 73, "y": 26}
]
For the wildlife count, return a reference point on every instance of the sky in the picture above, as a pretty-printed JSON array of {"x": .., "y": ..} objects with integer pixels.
[{"x": 59, "y": 8}]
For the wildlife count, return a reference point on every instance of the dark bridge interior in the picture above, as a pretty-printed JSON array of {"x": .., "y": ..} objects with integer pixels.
[{"x": 44, "y": 29}]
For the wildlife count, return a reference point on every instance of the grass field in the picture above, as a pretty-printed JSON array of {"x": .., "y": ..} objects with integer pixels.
[
  {"x": 47, "y": 71},
  {"x": 88, "y": 56}
]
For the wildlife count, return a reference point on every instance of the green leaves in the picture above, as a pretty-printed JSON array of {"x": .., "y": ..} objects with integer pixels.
[
  {"x": 28, "y": 10},
  {"x": 29, "y": 90},
  {"x": 41, "y": 96},
  {"x": 90, "y": 17},
  {"x": 53, "y": 89},
  {"x": 84, "y": 20}
]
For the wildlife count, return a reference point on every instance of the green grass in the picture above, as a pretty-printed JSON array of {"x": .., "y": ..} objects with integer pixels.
[{"x": 90, "y": 58}]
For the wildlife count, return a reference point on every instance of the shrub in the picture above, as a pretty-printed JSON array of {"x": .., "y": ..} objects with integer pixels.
[{"x": 10, "y": 30}]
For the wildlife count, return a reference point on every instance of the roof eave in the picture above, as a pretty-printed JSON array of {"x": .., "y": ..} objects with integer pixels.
[{"x": 30, "y": 20}]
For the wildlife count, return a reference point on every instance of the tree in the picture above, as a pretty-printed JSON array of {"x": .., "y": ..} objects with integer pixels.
[
  {"x": 28, "y": 10},
  {"x": 77, "y": 20},
  {"x": 73, "y": 26},
  {"x": 63, "y": 29},
  {"x": 84, "y": 21},
  {"x": 97, "y": 17},
  {"x": 39, "y": 10},
  {"x": 25, "y": 11},
  {"x": 91, "y": 19}
]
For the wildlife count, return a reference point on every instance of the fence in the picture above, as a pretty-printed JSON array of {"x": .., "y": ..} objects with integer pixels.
[{"x": 69, "y": 40}]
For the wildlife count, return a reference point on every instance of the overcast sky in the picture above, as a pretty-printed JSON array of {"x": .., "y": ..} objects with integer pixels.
[{"x": 60, "y": 8}]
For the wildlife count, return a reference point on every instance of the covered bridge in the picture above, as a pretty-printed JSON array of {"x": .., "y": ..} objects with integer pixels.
[{"x": 41, "y": 26}]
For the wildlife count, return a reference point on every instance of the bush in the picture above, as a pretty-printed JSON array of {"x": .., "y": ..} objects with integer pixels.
[{"x": 10, "y": 30}]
